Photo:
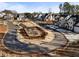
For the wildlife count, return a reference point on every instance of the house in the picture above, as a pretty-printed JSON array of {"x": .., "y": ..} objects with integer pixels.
[
  {"x": 39, "y": 17},
  {"x": 36, "y": 15},
  {"x": 8, "y": 17},
  {"x": 57, "y": 17},
  {"x": 63, "y": 21},
  {"x": 20, "y": 17},
  {"x": 8, "y": 14},
  {"x": 59, "y": 21},
  {"x": 43, "y": 16},
  {"x": 2, "y": 14},
  {"x": 76, "y": 28},
  {"x": 49, "y": 18},
  {"x": 71, "y": 22}
]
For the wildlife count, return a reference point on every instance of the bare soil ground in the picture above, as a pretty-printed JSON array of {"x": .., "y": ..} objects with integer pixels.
[{"x": 56, "y": 46}]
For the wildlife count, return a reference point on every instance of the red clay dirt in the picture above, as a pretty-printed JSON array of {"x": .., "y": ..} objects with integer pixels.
[{"x": 3, "y": 29}]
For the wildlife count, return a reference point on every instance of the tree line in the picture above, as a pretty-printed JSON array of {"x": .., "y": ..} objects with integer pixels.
[{"x": 67, "y": 8}]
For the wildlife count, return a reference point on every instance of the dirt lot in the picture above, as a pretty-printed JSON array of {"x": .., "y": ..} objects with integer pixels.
[
  {"x": 53, "y": 48},
  {"x": 3, "y": 29}
]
